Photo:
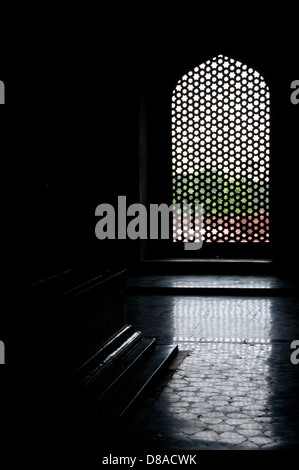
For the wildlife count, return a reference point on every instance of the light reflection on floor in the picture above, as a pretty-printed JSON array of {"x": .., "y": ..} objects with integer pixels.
[
  {"x": 225, "y": 319},
  {"x": 208, "y": 281},
  {"x": 221, "y": 396},
  {"x": 237, "y": 387}
]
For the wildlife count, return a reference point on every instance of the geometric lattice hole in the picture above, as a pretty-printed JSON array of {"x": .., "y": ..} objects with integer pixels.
[{"x": 221, "y": 150}]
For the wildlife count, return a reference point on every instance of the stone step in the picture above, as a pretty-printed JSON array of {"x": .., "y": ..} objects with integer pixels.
[
  {"x": 104, "y": 389},
  {"x": 134, "y": 359},
  {"x": 123, "y": 400},
  {"x": 99, "y": 364}
]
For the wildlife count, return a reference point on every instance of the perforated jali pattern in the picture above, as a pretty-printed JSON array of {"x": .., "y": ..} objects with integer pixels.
[{"x": 221, "y": 151}]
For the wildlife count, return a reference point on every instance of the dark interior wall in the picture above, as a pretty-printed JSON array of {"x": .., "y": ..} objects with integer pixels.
[
  {"x": 74, "y": 127},
  {"x": 69, "y": 142}
]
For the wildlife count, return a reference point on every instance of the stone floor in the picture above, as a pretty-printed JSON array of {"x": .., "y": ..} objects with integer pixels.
[{"x": 235, "y": 387}]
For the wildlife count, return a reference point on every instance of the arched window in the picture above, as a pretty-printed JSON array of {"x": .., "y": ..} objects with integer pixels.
[{"x": 221, "y": 150}]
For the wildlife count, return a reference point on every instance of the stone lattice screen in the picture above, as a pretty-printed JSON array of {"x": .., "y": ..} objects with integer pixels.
[{"x": 221, "y": 151}]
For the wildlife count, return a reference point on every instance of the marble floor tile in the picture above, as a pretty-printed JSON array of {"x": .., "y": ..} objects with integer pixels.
[{"x": 237, "y": 387}]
